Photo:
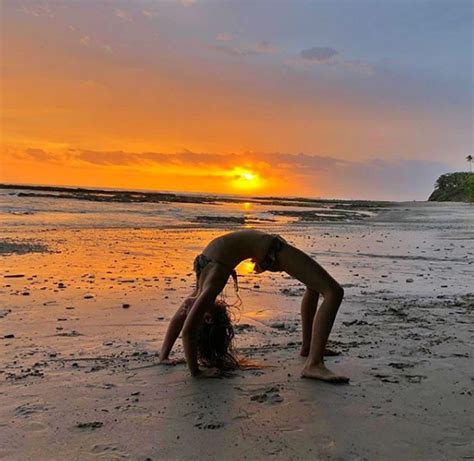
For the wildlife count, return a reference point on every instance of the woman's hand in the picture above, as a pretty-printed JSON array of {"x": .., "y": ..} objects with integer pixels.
[{"x": 171, "y": 362}]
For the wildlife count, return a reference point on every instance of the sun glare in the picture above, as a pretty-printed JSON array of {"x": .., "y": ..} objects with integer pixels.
[{"x": 244, "y": 178}]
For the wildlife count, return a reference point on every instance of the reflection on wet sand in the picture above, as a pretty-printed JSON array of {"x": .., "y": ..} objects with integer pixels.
[{"x": 245, "y": 267}]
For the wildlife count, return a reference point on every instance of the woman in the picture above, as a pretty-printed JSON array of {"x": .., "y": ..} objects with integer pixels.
[{"x": 206, "y": 327}]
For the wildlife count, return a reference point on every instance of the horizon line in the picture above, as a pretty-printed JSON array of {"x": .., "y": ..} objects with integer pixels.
[{"x": 216, "y": 194}]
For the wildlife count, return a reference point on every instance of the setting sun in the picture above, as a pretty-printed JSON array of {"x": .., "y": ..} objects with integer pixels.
[
  {"x": 245, "y": 179},
  {"x": 248, "y": 176}
]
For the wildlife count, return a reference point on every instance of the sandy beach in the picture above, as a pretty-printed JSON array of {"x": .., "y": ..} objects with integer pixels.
[
  {"x": 85, "y": 302},
  {"x": 134, "y": 133}
]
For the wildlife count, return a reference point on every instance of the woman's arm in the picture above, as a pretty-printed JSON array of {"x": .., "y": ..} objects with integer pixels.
[
  {"x": 190, "y": 329},
  {"x": 175, "y": 327}
]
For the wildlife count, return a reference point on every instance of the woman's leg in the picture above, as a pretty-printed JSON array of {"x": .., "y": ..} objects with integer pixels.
[
  {"x": 305, "y": 269},
  {"x": 309, "y": 305}
]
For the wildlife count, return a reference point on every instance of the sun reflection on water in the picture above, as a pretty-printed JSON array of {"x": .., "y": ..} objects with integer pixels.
[{"x": 245, "y": 267}]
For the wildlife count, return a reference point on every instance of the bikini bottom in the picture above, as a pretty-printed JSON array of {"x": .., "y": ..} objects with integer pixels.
[{"x": 201, "y": 261}]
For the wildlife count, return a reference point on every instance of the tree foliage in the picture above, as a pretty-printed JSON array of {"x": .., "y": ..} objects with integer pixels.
[{"x": 454, "y": 187}]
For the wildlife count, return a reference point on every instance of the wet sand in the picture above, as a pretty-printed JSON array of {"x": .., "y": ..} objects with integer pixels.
[{"x": 83, "y": 312}]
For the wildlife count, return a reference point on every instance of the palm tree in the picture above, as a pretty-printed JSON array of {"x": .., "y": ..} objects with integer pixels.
[{"x": 469, "y": 158}]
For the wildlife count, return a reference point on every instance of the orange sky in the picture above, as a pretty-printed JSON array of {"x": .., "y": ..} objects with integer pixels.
[{"x": 186, "y": 96}]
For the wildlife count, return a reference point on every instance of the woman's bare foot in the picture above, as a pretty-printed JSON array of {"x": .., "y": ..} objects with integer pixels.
[
  {"x": 324, "y": 374},
  {"x": 304, "y": 352}
]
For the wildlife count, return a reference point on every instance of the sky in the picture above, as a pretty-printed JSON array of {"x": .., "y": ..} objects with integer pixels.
[{"x": 337, "y": 99}]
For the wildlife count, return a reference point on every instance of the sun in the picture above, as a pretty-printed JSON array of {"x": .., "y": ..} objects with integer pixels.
[
  {"x": 248, "y": 176},
  {"x": 244, "y": 178}
]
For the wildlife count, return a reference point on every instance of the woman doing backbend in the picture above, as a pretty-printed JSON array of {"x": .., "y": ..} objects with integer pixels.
[{"x": 207, "y": 331}]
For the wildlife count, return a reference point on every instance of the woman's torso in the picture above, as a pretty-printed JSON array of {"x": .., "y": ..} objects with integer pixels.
[{"x": 232, "y": 248}]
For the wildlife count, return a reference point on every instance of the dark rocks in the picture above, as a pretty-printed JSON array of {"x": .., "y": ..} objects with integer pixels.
[
  {"x": 242, "y": 327},
  {"x": 90, "y": 425},
  {"x": 293, "y": 291}
]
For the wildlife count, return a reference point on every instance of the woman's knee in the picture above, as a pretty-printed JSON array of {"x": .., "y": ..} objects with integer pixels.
[
  {"x": 312, "y": 293},
  {"x": 336, "y": 290},
  {"x": 325, "y": 285},
  {"x": 333, "y": 290}
]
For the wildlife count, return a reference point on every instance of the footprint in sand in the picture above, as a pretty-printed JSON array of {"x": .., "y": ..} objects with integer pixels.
[
  {"x": 28, "y": 409},
  {"x": 209, "y": 426},
  {"x": 109, "y": 451},
  {"x": 35, "y": 426},
  {"x": 4, "y": 312},
  {"x": 414, "y": 378},
  {"x": 89, "y": 426},
  {"x": 269, "y": 395},
  {"x": 269, "y": 398},
  {"x": 69, "y": 334}
]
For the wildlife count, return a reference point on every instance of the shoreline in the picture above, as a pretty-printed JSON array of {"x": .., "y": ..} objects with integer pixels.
[{"x": 132, "y": 196}]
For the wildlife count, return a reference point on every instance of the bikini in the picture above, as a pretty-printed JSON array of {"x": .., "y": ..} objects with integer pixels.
[
  {"x": 201, "y": 261},
  {"x": 268, "y": 263}
]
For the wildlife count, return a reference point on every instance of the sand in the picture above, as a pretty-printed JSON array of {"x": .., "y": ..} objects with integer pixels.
[{"x": 83, "y": 312}]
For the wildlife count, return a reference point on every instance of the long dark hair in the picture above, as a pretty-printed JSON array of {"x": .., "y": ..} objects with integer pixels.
[{"x": 216, "y": 339}]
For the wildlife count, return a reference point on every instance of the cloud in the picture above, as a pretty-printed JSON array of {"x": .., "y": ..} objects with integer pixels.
[
  {"x": 307, "y": 174},
  {"x": 38, "y": 155},
  {"x": 222, "y": 37},
  {"x": 130, "y": 159},
  {"x": 301, "y": 162},
  {"x": 123, "y": 15},
  {"x": 318, "y": 54},
  {"x": 396, "y": 179},
  {"x": 37, "y": 10},
  {"x": 247, "y": 49},
  {"x": 357, "y": 66},
  {"x": 323, "y": 55},
  {"x": 85, "y": 40}
]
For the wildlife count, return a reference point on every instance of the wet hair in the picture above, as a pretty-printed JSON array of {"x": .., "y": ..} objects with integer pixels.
[{"x": 216, "y": 339}]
